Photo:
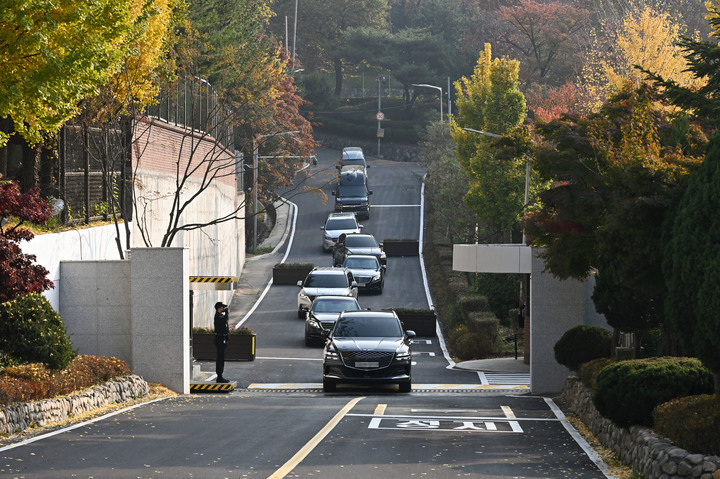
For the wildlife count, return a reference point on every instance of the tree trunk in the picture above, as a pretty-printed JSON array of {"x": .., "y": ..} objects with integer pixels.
[{"x": 338, "y": 76}]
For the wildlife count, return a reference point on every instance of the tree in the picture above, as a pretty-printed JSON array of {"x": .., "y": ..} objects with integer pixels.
[
  {"x": 490, "y": 101},
  {"x": 55, "y": 55},
  {"x": 317, "y": 47},
  {"x": 413, "y": 56},
  {"x": 692, "y": 265},
  {"x": 545, "y": 35},
  {"x": 18, "y": 274},
  {"x": 615, "y": 178},
  {"x": 643, "y": 39}
]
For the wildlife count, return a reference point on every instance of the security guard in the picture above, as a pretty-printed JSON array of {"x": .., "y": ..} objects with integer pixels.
[{"x": 222, "y": 336}]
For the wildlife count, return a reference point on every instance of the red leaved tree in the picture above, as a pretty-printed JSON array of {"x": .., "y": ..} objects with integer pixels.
[{"x": 18, "y": 273}]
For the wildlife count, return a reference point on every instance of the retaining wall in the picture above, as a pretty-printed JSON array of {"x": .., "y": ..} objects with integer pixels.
[
  {"x": 648, "y": 453},
  {"x": 19, "y": 417}
]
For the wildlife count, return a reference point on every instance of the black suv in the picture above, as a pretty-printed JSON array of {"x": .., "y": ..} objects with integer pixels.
[
  {"x": 357, "y": 243},
  {"x": 352, "y": 194}
]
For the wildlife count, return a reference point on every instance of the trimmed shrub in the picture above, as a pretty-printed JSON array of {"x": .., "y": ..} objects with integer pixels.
[
  {"x": 32, "y": 331},
  {"x": 34, "y": 382},
  {"x": 627, "y": 392},
  {"x": 588, "y": 371},
  {"x": 582, "y": 344},
  {"x": 691, "y": 423}
]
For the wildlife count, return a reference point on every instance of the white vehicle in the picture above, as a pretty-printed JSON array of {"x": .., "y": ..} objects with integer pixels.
[
  {"x": 337, "y": 224},
  {"x": 325, "y": 281}
]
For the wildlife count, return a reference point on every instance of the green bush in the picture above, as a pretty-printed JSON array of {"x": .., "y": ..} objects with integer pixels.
[
  {"x": 691, "y": 423},
  {"x": 31, "y": 332},
  {"x": 588, "y": 371},
  {"x": 582, "y": 344},
  {"x": 627, "y": 392}
]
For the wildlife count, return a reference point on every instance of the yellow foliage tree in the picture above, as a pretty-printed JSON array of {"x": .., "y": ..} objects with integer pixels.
[{"x": 644, "y": 37}]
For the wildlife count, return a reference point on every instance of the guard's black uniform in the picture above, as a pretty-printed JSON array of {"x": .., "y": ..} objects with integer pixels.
[{"x": 222, "y": 335}]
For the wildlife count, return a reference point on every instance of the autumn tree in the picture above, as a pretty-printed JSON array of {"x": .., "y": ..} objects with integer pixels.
[
  {"x": 55, "y": 55},
  {"x": 490, "y": 101},
  {"x": 545, "y": 37},
  {"x": 18, "y": 273},
  {"x": 644, "y": 38},
  {"x": 615, "y": 178}
]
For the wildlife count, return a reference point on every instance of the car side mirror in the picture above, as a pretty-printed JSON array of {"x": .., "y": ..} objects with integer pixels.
[
  {"x": 410, "y": 333},
  {"x": 322, "y": 227},
  {"x": 332, "y": 193},
  {"x": 380, "y": 245},
  {"x": 361, "y": 226},
  {"x": 325, "y": 333},
  {"x": 299, "y": 283},
  {"x": 369, "y": 192},
  {"x": 314, "y": 161},
  {"x": 353, "y": 284}
]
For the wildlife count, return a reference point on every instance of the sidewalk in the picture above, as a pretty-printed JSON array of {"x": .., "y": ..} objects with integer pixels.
[{"x": 257, "y": 273}]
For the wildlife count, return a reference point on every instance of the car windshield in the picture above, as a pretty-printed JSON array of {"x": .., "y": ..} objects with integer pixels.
[
  {"x": 326, "y": 281},
  {"x": 358, "y": 190},
  {"x": 335, "y": 306},
  {"x": 367, "y": 327},
  {"x": 361, "y": 263},
  {"x": 360, "y": 242},
  {"x": 341, "y": 224},
  {"x": 354, "y": 161}
]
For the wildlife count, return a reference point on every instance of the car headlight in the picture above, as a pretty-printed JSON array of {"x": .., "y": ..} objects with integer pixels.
[
  {"x": 331, "y": 355},
  {"x": 402, "y": 354},
  {"x": 303, "y": 295},
  {"x": 376, "y": 277},
  {"x": 315, "y": 324}
]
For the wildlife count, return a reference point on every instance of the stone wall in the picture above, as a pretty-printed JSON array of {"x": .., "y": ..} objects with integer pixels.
[
  {"x": 19, "y": 417},
  {"x": 648, "y": 453}
]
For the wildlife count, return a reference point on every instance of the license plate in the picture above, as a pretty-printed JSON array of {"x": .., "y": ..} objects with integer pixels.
[{"x": 366, "y": 364}]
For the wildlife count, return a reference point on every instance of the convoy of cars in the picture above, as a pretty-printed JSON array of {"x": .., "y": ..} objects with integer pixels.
[{"x": 361, "y": 346}]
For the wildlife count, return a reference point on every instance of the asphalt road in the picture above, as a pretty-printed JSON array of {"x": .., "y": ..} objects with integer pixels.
[{"x": 278, "y": 422}]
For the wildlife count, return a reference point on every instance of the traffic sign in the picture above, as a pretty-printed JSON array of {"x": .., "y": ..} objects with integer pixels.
[{"x": 380, "y": 116}]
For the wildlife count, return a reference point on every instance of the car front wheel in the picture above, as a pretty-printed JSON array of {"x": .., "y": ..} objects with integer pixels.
[
  {"x": 328, "y": 386},
  {"x": 405, "y": 387},
  {"x": 301, "y": 313}
]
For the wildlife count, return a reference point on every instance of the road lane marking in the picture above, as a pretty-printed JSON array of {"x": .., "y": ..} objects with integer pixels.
[
  {"x": 591, "y": 453},
  {"x": 380, "y": 409},
  {"x": 514, "y": 388},
  {"x": 312, "y": 443},
  {"x": 508, "y": 411}
]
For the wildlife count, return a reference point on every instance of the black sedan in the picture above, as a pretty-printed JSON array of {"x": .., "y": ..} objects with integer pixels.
[
  {"x": 369, "y": 274},
  {"x": 367, "y": 347},
  {"x": 357, "y": 243},
  {"x": 323, "y": 314}
]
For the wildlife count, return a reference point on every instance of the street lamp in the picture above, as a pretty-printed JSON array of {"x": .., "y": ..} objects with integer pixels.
[
  {"x": 255, "y": 147},
  {"x": 437, "y": 88}
]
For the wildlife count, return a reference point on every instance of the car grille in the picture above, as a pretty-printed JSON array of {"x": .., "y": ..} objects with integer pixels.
[
  {"x": 381, "y": 357},
  {"x": 363, "y": 279},
  {"x": 327, "y": 324}
]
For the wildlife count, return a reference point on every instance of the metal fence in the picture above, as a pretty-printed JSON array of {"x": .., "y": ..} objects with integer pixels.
[{"x": 94, "y": 164}]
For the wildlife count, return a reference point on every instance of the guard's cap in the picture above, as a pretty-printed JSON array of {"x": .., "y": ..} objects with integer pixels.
[{"x": 220, "y": 305}]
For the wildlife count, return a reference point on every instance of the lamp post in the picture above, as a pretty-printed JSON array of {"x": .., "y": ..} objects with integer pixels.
[
  {"x": 381, "y": 80},
  {"x": 255, "y": 147},
  {"x": 437, "y": 88}
]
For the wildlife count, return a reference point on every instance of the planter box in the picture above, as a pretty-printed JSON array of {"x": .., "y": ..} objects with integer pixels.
[
  {"x": 290, "y": 275},
  {"x": 423, "y": 323},
  {"x": 401, "y": 247},
  {"x": 240, "y": 348}
]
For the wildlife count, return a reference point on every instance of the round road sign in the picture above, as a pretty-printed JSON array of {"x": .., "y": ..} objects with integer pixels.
[{"x": 380, "y": 116}]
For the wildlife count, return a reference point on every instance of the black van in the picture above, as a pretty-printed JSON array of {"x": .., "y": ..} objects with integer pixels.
[{"x": 352, "y": 194}]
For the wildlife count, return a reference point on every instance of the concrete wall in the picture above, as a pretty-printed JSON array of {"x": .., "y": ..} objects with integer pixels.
[
  {"x": 555, "y": 305},
  {"x": 216, "y": 250},
  {"x": 135, "y": 310},
  {"x": 87, "y": 244}
]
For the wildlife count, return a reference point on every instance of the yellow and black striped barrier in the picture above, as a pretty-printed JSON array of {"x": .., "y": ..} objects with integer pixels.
[
  {"x": 213, "y": 282},
  {"x": 196, "y": 387}
]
